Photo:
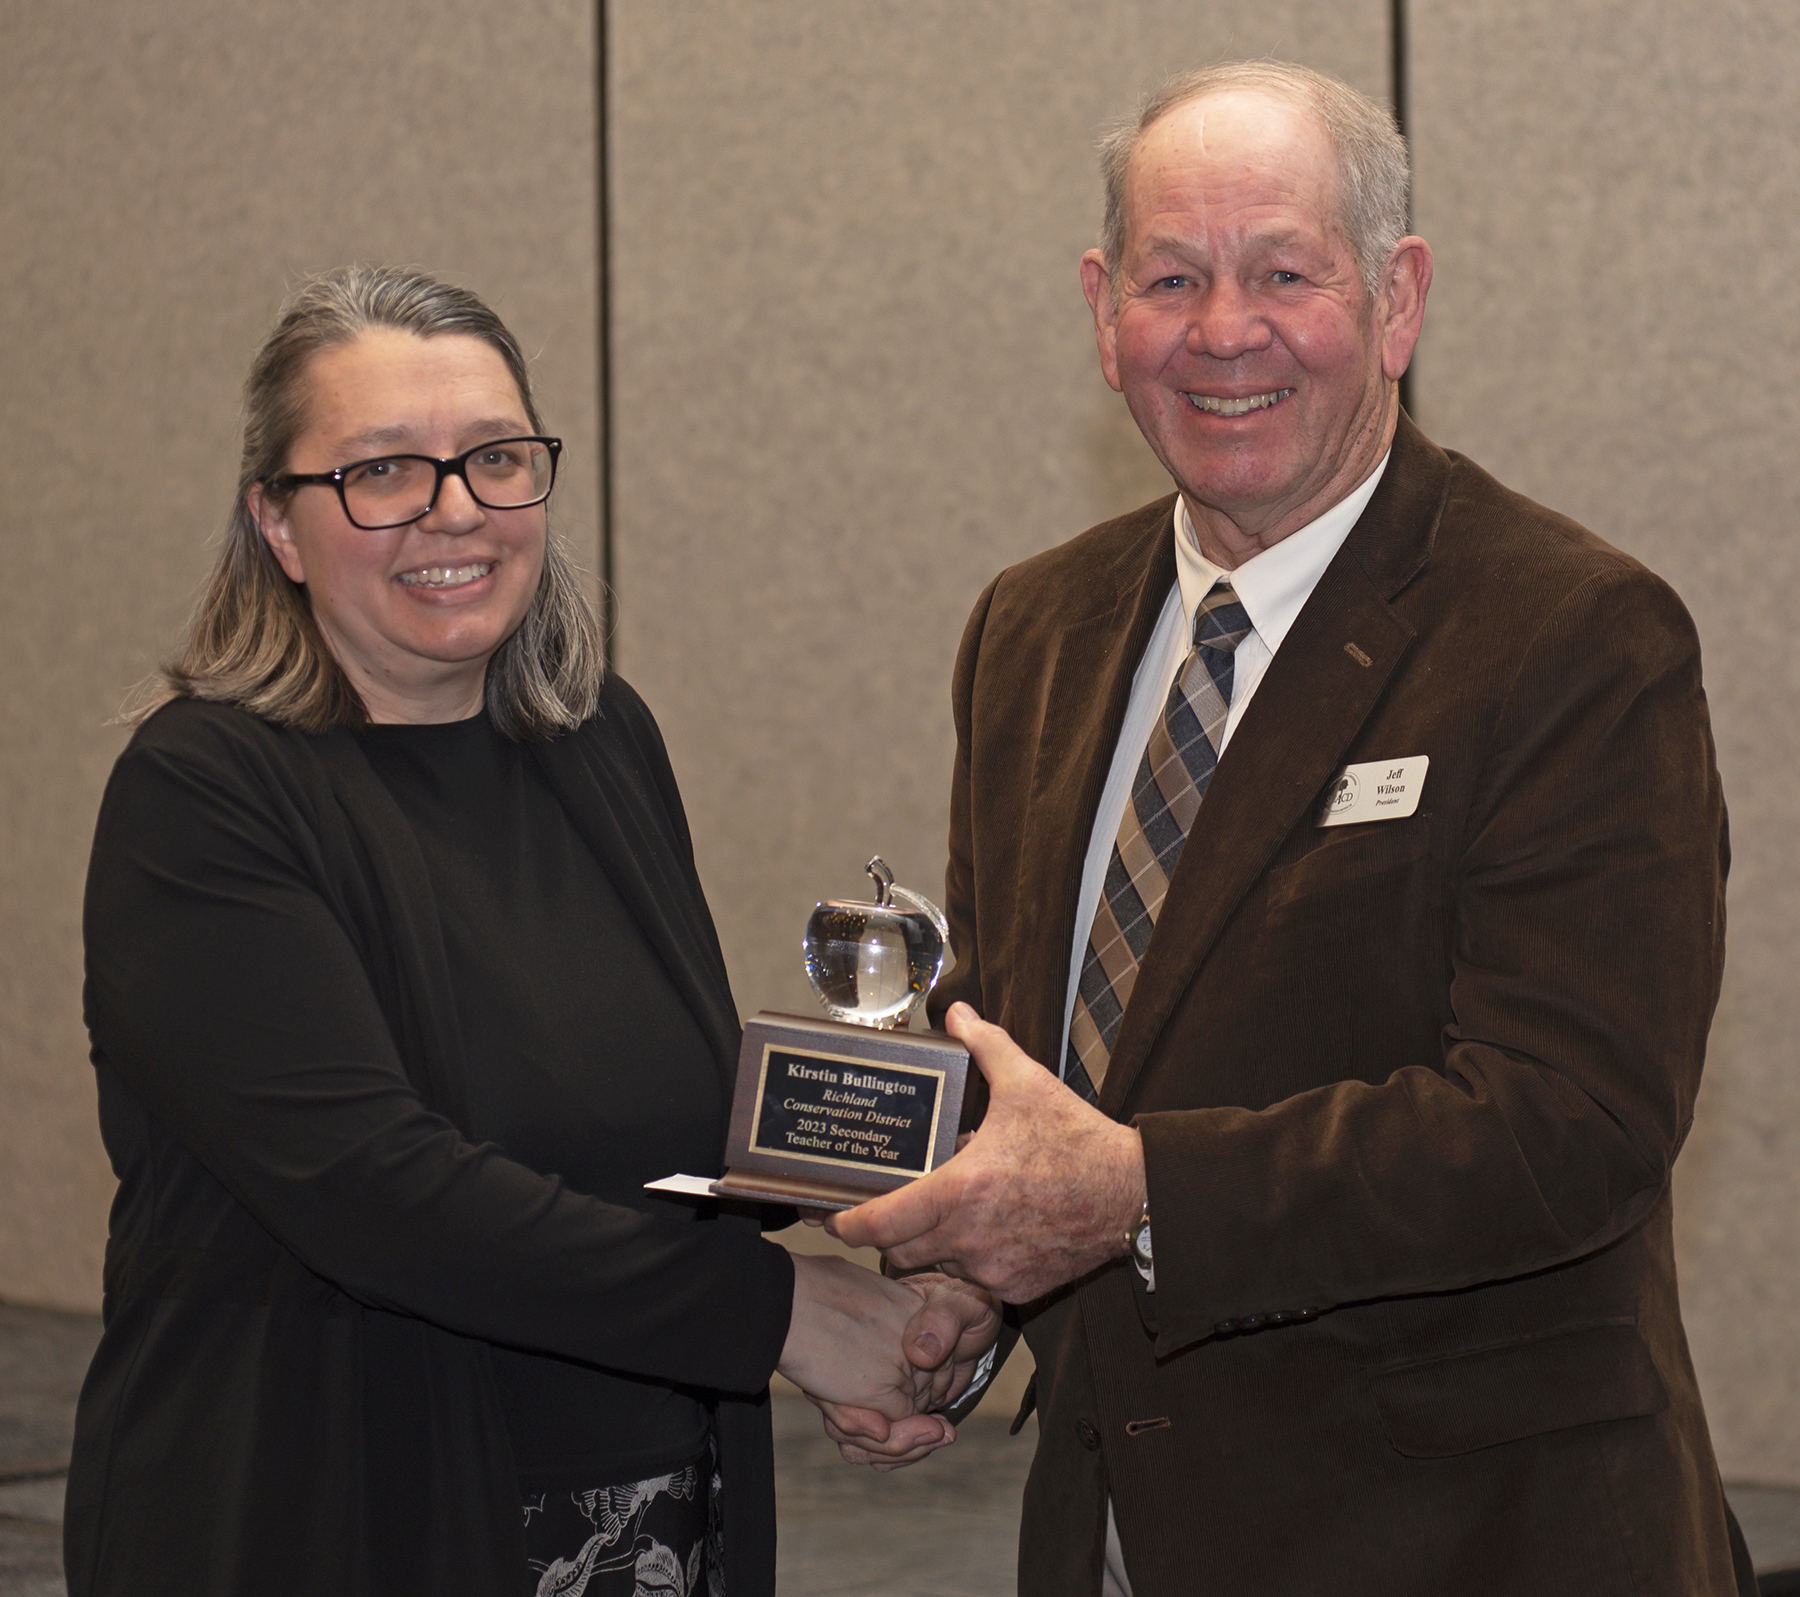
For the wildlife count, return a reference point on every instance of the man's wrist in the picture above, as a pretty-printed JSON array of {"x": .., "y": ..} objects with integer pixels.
[
  {"x": 1136, "y": 1191},
  {"x": 1117, "y": 1195}
]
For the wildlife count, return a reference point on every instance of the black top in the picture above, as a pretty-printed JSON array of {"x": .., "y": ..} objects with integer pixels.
[
  {"x": 582, "y": 1059},
  {"x": 317, "y": 1250}
]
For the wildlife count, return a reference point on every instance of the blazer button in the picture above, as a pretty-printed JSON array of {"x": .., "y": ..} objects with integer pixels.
[
  {"x": 1225, "y": 1327},
  {"x": 1087, "y": 1435},
  {"x": 1253, "y": 1322}
]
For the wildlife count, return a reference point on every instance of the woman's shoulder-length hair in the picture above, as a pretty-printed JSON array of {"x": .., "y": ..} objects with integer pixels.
[{"x": 251, "y": 639}]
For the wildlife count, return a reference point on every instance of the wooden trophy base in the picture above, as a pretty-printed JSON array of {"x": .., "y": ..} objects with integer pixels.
[{"x": 828, "y": 1115}]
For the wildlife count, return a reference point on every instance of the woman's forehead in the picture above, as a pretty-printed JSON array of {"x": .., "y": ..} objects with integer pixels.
[{"x": 388, "y": 387}]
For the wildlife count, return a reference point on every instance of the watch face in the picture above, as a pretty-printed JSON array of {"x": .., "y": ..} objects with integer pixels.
[{"x": 1140, "y": 1241}]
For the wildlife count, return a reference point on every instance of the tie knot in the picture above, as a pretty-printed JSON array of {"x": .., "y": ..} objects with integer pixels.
[{"x": 1221, "y": 622}]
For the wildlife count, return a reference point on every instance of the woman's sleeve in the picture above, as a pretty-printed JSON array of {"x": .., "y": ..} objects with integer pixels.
[{"x": 230, "y": 998}]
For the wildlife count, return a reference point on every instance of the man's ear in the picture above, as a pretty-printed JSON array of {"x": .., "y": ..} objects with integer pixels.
[
  {"x": 272, "y": 523},
  {"x": 1097, "y": 285},
  {"x": 1405, "y": 282}
]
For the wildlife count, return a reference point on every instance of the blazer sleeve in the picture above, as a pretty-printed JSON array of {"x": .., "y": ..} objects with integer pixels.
[
  {"x": 1584, "y": 960},
  {"x": 227, "y": 994}
]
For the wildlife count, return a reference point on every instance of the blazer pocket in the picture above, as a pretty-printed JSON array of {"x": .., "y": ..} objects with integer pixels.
[
  {"x": 1355, "y": 857},
  {"x": 1436, "y": 1408}
]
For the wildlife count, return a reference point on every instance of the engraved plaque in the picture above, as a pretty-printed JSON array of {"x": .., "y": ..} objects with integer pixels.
[{"x": 827, "y": 1114}]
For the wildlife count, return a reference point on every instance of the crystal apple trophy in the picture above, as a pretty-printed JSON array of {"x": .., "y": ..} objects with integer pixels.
[
  {"x": 828, "y": 1113},
  {"x": 873, "y": 964}
]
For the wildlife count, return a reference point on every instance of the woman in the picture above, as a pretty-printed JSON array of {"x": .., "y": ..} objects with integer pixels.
[{"x": 400, "y": 986}]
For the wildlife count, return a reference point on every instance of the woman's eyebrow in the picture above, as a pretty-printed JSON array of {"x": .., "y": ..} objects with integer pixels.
[{"x": 392, "y": 438}]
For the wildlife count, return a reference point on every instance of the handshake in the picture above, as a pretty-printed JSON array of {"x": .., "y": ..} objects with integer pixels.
[{"x": 880, "y": 1356}]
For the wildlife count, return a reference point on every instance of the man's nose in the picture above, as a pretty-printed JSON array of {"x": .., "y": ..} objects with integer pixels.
[{"x": 1227, "y": 322}]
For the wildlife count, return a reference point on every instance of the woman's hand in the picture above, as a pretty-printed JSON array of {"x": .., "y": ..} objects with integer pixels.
[
  {"x": 954, "y": 1327},
  {"x": 844, "y": 1341}
]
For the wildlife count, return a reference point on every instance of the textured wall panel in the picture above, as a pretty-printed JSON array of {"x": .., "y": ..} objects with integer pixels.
[
  {"x": 165, "y": 171},
  {"x": 855, "y": 377},
  {"x": 1611, "y": 190}
]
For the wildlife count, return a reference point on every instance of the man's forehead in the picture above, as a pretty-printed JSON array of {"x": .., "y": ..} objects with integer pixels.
[
  {"x": 1235, "y": 138},
  {"x": 1234, "y": 124}
]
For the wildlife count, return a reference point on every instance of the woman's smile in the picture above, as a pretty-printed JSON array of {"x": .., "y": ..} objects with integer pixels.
[{"x": 446, "y": 576}]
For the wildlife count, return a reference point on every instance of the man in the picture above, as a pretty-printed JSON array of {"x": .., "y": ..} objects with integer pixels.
[{"x": 1347, "y": 826}]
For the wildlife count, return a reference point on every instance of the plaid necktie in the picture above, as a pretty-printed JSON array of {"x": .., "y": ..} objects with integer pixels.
[{"x": 1171, "y": 780}]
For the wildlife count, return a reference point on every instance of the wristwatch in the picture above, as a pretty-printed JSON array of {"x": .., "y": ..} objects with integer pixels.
[{"x": 1137, "y": 1244}]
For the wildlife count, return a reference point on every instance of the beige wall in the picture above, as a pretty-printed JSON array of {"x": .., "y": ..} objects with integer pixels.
[
  {"x": 1611, "y": 189},
  {"x": 854, "y": 378},
  {"x": 165, "y": 171}
]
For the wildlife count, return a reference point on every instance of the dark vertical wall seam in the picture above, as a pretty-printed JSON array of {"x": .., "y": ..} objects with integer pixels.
[
  {"x": 609, "y": 610},
  {"x": 1397, "y": 44}
]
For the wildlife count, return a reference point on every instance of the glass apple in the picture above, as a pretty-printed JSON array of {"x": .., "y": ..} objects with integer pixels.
[{"x": 873, "y": 964}]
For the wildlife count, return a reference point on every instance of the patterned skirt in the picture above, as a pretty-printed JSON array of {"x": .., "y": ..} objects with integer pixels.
[{"x": 655, "y": 1538}]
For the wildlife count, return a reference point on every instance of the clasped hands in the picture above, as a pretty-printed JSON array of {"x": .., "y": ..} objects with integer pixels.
[
  {"x": 879, "y": 1356},
  {"x": 1041, "y": 1194}
]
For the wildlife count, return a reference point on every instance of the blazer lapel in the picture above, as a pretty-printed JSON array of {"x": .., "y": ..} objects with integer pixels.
[
  {"x": 1089, "y": 686},
  {"x": 1324, "y": 681}
]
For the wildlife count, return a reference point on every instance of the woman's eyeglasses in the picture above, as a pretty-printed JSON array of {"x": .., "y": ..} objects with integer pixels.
[{"x": 392, "y": 490}]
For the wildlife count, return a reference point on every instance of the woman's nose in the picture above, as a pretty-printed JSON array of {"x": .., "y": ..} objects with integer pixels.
[{"x": 455, "y": 509}]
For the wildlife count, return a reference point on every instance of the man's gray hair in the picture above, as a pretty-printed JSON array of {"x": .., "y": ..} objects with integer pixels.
[
  {"x": 252, "y": 640},
  {"x": 1374, "y": 175}
]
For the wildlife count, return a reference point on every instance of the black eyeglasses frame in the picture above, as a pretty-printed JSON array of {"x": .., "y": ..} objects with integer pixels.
[{"x": 452, "y": 466}]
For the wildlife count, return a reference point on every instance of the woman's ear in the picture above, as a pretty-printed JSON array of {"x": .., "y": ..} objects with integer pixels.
[{"x": 272, "y": 523}]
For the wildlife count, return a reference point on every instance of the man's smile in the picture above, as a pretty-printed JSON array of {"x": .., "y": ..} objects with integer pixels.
[{"x": 1215, "y": 406}]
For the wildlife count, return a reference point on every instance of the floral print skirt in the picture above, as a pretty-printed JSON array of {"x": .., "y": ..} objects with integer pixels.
[{"x": 654, "y": 1538}]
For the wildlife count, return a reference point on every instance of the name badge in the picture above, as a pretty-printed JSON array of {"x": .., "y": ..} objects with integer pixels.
[{"x": 1377, "y": 790}]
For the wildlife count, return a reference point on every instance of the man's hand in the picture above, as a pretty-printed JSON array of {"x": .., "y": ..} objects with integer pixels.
[
  {"x": 1043, "y": 1193},
  {"x": 955, "y": 1325}
]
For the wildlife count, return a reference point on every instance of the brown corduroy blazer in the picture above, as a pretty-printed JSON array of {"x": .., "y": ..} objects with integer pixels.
[{"x": 1410, "y": 1090}]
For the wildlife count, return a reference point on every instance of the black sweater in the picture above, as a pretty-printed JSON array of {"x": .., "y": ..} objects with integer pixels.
[{"x": 314, "y": 1254}]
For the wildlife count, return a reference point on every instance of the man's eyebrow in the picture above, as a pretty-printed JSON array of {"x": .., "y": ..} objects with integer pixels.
[
  {"x": 1172, "y": 247},
  {"x": 1167, "y": 244}
]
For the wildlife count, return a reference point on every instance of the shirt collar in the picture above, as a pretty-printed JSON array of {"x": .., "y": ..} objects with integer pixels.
[{"x": 1274, "y": 585}]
